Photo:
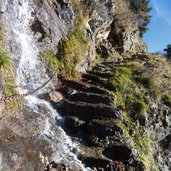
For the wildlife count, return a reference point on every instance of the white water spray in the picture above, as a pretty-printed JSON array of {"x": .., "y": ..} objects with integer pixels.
[{"x": 30, "y": 75}]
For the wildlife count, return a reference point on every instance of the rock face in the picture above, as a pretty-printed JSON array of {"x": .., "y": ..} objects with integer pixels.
[
  {"x": 125, "y": 34},
  {"x": 99, "y": 16},
  {"x": 52, "y": 21},
  {"x": 126, "y": 39}
]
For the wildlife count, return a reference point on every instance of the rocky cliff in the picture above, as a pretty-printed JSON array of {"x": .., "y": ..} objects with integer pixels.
[{"x": 108, "y": 94}]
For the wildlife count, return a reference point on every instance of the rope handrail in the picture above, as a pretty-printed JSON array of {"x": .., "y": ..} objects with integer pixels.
[{"x": 18, "y": 96}]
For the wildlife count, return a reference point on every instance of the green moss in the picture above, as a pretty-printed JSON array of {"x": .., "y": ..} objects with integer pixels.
[
  {"x": 144, "y": 143},
  {"x": 121, "y": 80},
  {"x": 72, "y": 51},
  {"x": 80, "y": 12},
  {"x": 5, "y": 61},
  {"x": 7, "y": 74},
  {"x": 50, "y": 60},
  {"x": 70, "y": 54},
  {"x": 135, "y": 103}
]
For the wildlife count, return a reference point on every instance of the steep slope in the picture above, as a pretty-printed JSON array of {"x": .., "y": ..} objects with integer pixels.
[
  {"x": 107, "y": 104},
  {"x": 119, "y": 112}
]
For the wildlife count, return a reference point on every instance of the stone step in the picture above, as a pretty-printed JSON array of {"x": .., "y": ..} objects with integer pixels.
[
  {"x": 103, "y": 129},
  {"x": 84, "y": 87},
  {"x": 101, "y": 69},
  {"x": 92, "y": 157},
  {"x": 95, "y": 79},
  {"x": 101, "y": 74},
  {"x": 102, "y": 140},
  {"x": 87, "y": 111},
  {"x": 74, "y": 127},
  {"x": 73, "y": 95},
  {"x": 118, "y": 153}
]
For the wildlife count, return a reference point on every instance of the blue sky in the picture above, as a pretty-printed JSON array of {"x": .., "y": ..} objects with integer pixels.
[{"x": 159, "y": 34}]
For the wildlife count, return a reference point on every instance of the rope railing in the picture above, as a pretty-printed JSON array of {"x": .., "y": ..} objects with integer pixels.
[{"x": 19, "y": 96}]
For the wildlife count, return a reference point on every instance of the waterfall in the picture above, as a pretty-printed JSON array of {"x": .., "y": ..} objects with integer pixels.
[{"x": 31, "y": 74}]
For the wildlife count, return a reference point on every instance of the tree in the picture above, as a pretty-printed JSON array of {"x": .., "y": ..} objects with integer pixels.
[
  {"x": 141, "y": 10},
  {"x": 168, "y": 51}
]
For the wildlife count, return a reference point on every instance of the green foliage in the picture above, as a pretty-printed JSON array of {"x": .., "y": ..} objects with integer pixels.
[
  {"x": 127, "y": 91},
  {"x": 14, "y": 106},
  {"x": 122, "y": 79},
  {"x": 50, "y": 60},
  {"x": 144, "y": 143},
  {"x": 80, "y": 12},
  {"x": 136, "y": 83},
  {"x": 5, "y": 61},
  {"x": 140, "y": 5},
  {"x": 70, "y": 54},
  {"x": 9, "y": 87},
  {"x": 6, "y": 70},
  {"x": 135, "y": 103},
  {"x": 72, "y": 51}
]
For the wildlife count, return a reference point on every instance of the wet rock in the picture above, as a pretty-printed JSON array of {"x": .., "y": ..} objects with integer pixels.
[
  {"x": 166, "y": 142},
  {"x": 74, "y": 126},
  {"x": 58, "y": 167},
  {"x": 55, "y": 96}
]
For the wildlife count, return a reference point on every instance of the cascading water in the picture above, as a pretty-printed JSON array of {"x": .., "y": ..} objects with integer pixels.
[{"x": 30, "y": 75}]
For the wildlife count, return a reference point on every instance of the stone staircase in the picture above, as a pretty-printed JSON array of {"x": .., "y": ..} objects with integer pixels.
[{"x": 91, "y": 119}]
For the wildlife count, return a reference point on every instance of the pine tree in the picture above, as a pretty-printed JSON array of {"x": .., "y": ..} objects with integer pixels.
[
  {"x": 168, "y": 51},
  {"x": 141, "y": 9}
]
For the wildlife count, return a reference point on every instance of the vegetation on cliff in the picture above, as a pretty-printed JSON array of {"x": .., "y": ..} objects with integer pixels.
[
  {"x": 7, "y": 76},
  {"x": 137, "y": 83},
  {"x": 6, "y": 69},
  {"x": 141, "y": 10},
  {"x": 131, "y": 12},
  {"x": 71, "y": 52}
]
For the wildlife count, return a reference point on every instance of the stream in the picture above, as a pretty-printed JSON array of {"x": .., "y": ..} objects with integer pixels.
[{"x": 31, "y": 74}]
